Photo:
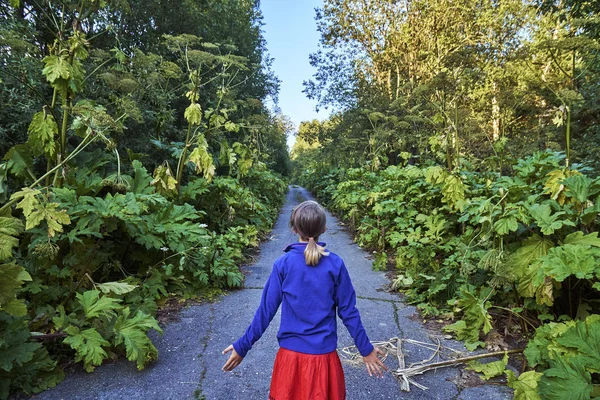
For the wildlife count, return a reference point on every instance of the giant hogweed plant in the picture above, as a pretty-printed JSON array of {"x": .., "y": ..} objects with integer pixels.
[
  {"x": 89, "y": 251},
  {"x": 521, "y": 248},
  {"x": 203, "y": 126},
  {"x": 26, "y": 364},
  {"x": 140, "y": 245},
  {"x": 23, "y": 363}
]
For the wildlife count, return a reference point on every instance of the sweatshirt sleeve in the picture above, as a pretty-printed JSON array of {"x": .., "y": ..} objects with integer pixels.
[
  {"x": 269, "y": 303},
  {"x": 345, "y": 299}
]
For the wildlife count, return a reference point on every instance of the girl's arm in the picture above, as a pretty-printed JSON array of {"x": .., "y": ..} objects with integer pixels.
[
  {"x": 269, "y": 303},
  {"x": 345, "y": 299}
]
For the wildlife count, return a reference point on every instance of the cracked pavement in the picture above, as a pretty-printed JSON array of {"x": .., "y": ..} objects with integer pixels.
[{"x": 190, "y": 360}]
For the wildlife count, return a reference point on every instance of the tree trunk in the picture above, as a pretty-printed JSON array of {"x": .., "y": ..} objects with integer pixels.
[
  {"x": 389, "y": 83},
  {"x": 455, "y": 145},
  {"x": 397, "y": 81}
]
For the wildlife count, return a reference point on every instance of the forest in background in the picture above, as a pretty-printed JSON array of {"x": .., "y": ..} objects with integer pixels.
[
  {"x": 138, "y": 162},
  {"x": 464, "y": 151}
]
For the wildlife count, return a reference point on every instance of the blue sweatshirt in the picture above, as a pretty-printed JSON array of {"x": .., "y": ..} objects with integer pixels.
[{"x": 309, "y": 297}]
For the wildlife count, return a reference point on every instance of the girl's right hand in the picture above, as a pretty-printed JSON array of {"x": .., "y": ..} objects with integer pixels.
[
  {"x": 234, "y": 359},
  {"x": 374, "y": 364}
]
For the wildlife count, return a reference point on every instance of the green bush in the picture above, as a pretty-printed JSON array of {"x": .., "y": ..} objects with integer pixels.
[
  {"x": 94, "y": 258},
  {"x": 488, "y": 248}
]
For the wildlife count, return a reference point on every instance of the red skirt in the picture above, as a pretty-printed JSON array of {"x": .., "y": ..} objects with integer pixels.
[{"x": 300, "y": 376}]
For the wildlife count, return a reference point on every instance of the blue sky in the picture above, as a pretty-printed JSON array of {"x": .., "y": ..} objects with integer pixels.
[{"x": 291, "y": 34}]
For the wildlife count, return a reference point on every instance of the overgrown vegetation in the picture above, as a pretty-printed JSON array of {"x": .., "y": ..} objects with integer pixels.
[
  {"x": 138, "y": 163},
  {"x": 464, "y": 152}
]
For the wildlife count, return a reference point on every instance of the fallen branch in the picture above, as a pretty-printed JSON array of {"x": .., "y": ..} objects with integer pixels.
[
  {"x": 48, "y": 336},
  {"x": 450, "y": 363},
  {"x": 394, "y": 347}
]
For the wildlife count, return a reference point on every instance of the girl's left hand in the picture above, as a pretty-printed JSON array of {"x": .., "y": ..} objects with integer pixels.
[
  {"x": 234, "y": 359},
  {"x": 374, "y": 365}
]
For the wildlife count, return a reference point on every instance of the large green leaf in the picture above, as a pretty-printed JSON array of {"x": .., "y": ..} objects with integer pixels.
[
  {"x": 88, "y": 346},
  {"x": 42, "y": 130},
  {"x": 55, "y": 219},
  {"x": 505, "y": 225},
  {"x": 569, "y": 259},
  {"x": 547, "y": 223},
  {"x": 202, "y": 159},
  {"x": 584, "y": 338},
  {"x": 536, "y": 284},
  {"x": 115, "y": 287},
  {"x": 554, "y": 184},
  {"x": 15, "y": 307},
  {"x": 538, "y": 349},
  {"x": 475, "y": 315},
  {"x": 142, "y": 181},
  {"x": 94, "y": 305},
  {"x": 581, "y": 238},
  {"x": 245, "y": 159},
  {"x": 530, "y": 250},
  {"x": 36, "y": 212},
  {"x": 226, "y": 155},
  {"x": 435, "y": 174},
  {"x": 38, "y": 374},
  {"x": 581, "y": 188},
  {"x": 193, "y": 114},
  {"x": 25, "y": 365},
  {"x": 56, "y": 67},
  {"x": 163, "y": 181},
  {"x": 571, "y": 353},
  {"x": 20, "y": 160},
  {"x": 475, "y": 308},
  {"x": 10, "y": 229},
  {"x": 566, "y": 380},
  {"x": 29, "y": 200},
  {"x": 525, "y": 386},
  {"x": 17, "y": 354},
  {"x": 133, "y": 333},
  {"x": 453, "y": 192},
  {"x": 12, "y": 277},
  {"x": 491, "y": 369}
]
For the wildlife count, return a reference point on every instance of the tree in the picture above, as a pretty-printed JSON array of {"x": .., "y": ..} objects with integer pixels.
[{"x": 456, "y": 80}]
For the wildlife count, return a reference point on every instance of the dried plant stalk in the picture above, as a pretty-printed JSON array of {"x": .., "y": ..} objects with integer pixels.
[{"x": 394, "y": 347}]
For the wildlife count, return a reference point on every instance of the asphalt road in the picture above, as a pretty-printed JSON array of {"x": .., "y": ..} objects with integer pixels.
[{"x": 190, "y": 360}]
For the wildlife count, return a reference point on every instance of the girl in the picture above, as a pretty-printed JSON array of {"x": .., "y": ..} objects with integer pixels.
[{"x": 311, "y": 283}]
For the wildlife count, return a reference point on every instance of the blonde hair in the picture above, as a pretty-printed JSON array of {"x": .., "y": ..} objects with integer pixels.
[{"x": 308, "y": 221}]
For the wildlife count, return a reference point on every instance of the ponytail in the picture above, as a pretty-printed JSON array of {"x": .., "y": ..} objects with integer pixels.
[
  {"x": 308, "y": 221},
  {"x": 313, "y": 252}
]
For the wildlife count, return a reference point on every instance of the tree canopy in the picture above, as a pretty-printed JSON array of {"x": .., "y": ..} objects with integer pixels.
[{"x": 486, "y": 79}]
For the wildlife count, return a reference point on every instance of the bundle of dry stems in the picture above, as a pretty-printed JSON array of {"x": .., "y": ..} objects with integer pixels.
[{"x": 440, "y": 357}]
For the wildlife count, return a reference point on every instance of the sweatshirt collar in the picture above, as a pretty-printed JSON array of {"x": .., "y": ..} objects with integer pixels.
[{"x": 300, "y": 246}]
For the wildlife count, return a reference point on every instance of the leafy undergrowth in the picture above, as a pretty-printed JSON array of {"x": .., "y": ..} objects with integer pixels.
[
  {"x": 92, "y": 243},
  {"x": 514, "y": 254},
  {"x": 84, "y": 281}
]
